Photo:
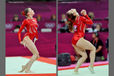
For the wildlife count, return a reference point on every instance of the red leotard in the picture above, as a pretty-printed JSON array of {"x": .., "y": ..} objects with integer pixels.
[
  {"x": 80, "y": 23},
  {"x": 31, "y": 27}
]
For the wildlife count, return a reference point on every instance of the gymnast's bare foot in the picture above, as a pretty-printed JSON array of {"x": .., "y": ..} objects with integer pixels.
[
  {"x": 76, "y": 71},
  {"x": 23, "y": 68},
  {"x": 91, "y": 69},
  {"x": 28, "y": 71}
]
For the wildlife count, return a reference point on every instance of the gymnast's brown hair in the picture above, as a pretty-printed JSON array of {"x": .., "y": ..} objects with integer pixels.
[
  {"x": 71, "y": 19},
  {"x": 24, "y": 13}
]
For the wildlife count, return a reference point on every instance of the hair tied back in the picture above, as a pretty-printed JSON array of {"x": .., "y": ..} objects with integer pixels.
[{"x": 23, "y": 13}]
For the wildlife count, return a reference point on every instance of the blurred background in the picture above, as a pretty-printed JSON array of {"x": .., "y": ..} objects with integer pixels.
[
  {"x": 28, "y": 0},
  {"x": 45, "y": 13},
  {"x": 77, "y": 0},
  {"x": 97, "y": 33}
]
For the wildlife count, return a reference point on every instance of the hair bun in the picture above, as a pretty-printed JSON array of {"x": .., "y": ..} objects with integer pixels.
[
  {"x": 23, "y": 13},
  {"x": 69, "y": 19}
]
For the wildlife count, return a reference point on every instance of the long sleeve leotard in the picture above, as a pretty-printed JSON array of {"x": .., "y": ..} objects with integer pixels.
[
  {"x": 80, "y": 24},
  {"x": 31, "y": 27}
]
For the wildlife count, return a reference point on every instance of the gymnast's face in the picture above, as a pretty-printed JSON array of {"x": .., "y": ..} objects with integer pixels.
[{"x": 31, "y": 12}]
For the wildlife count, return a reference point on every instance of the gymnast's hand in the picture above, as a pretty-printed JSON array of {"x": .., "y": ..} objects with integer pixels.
[
  {"x": 74, "y": 12},
  {"x": 71, "y": 31},
  {"x": 35, "y": 40},
  {"x": 22, "y": 43},
  {"x": 83, "y": 12}
]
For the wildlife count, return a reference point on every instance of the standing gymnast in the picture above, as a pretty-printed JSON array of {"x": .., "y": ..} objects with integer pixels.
[
  {"x": 77, "y": 25},
  {"x": 31, "y": 26}
]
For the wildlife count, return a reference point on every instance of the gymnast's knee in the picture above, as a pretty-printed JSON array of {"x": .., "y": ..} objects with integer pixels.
[
  {"x": 37, "y": 55},
  {"x": 84, "y": 56},
  {"x": 93, "y": 48}
]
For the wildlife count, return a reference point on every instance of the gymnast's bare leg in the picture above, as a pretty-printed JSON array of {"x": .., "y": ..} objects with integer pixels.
[
  {"x": 85, "y": 45},
  {"x": 31, "y": 46},
  {"x": 82, "y": 58}
]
